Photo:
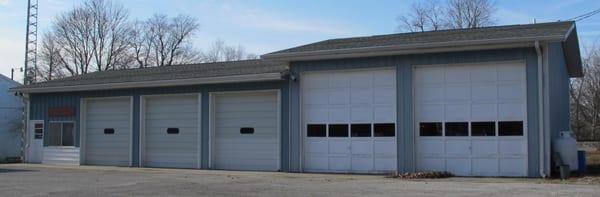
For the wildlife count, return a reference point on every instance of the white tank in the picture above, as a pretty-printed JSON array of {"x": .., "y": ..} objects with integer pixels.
[{"x": 566, "y": 146}]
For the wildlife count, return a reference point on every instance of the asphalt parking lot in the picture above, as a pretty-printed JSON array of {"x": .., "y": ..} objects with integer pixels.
[{"x": 42, "y": 180}]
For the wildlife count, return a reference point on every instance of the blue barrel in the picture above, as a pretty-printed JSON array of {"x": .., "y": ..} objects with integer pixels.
[{"x": 582, "y": 162}]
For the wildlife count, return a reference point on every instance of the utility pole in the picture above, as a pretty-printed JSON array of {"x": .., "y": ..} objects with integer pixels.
[{"x": 30, "y": 71}]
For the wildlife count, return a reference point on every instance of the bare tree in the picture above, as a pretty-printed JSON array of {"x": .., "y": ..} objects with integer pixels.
[
  {"x": 585, "y": 98},
  {"x": 452, "y": 14},
  {"x": 168, "y": 38},
  {"x": 425, "y": 15},
  {"x": 470, "y": 13},
  {"x": 91, "y": 37},
  {"x": 220, "y": 51}
]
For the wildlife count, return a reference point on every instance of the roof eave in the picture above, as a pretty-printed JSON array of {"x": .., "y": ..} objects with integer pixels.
[
  {"x": 411, "y": 49},
  {"x": 150, "y": 84}
]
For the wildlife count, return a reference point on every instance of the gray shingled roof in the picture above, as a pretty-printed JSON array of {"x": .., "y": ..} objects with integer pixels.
[
  {"x": 189, "y": 71},
  {"x": 540, "y": 30}
]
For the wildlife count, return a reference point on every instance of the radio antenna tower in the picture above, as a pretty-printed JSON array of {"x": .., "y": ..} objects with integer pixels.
[{"x": 30, "y": 68}]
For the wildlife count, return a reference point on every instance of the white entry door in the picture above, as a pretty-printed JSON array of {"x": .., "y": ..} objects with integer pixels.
[
  {"x": 35, "y": 143},
  {"x": 349, "y": 121},
  {"x": 245, "y": 131},
  {"x": 470, "y": 120}
]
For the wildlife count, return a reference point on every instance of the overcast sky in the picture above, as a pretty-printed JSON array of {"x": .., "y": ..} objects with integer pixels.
[{"x": 263, "y": 26}]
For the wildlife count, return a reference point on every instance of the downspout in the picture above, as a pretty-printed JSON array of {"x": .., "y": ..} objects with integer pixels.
[{"x": 541, "y": 136}]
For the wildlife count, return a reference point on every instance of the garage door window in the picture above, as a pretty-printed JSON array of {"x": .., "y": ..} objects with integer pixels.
[
  {"x": 457, "y": 129},
  {"x": 430, "y": 129},
  {"x": 510, "y": 128},
  {"x": 384, "y": 130},
  {"x": 338, "y": 130},
  {"x": 360, "y": 130},
  {"x": 316, "y": 130},
  {"x": 61, "y": 134},
  {"x": 483, "y": 128}
]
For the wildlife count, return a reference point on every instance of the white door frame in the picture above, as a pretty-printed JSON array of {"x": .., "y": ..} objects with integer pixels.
[
  {"x": 211, "y": 122},
  {"x": 82, "y": 128},
  {"x": 142, "y": 136},
  {"x": 525, "y": 119}
]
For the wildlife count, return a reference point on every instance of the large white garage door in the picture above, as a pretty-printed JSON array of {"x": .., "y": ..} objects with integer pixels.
[
  {"x": 349, "y": 121},
  {"x": 245, "y": 131},
  {"x": 171, "y": 131},
  {"x": 108, "y": 131},
  {"x": 471, "y": 120}
]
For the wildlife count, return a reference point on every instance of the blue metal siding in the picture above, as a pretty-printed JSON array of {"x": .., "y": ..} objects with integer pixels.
[
  {"x": 404, "y": 70},
  {"x": 39, "y": 104},
  {"x": 559, "y": 90}
]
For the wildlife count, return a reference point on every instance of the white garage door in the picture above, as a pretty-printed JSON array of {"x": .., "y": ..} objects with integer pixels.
[
  {"x": 245, "y": 131},
  {"x": 108, "y": 131},
  {"x": 171, "y": 131},
  {"x": 349, "y": 121},
  {"x": 470, "y": 120}
]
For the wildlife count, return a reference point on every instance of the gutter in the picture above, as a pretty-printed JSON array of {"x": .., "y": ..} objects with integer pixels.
[
  {"x": 541, "y": 136},
  {"x": 159, "y": 83}
]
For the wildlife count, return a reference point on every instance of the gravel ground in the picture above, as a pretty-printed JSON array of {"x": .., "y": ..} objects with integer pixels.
[{"x": 42, "y": 180}]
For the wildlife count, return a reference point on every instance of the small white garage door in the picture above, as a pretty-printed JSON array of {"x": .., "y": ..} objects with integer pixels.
[
  {"x": 245, "y": 133},
  {"x": 471, "y": 120},
  {"x": 171, "y": 131},
  {"x": 108, "y": 131},
  {"x": 349, "y": 121}
]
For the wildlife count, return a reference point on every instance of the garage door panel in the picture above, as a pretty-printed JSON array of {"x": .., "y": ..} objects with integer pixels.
[
  {"x": 483, "y": 73},
  {"x": 338, "y": 114},
  {"x": 256, "y": 151},
  {"x": 362, "y": 147},
  {"x": 339, "y": 147},
  {"x": 459, "y": 166},
  {"x": 361, "y": 114},
  {"x": 431, "y": 164},
  {"x": 361, "y": 96},
  {"x": 483, "y": 148},
  {"x": 173, "y": 150},
  {"x": 458, "y": 147},
  {"x": 510, "y": 72},
  {"x": 254, "y": 107},
  {"x": 384, "y": 114},
  {"x": 512, "y": 148},
  {"x": 511, "y": 111},
  {"x": 484, "y": 112},
  {"x": 511, "y": 91},
  {"x": 483, "y": 94},
  {"x": 485, "y": 167},
  {"x": 355, "y": 97},
  {"x": 385, "y": 164},
  {"x": 458, "y": 74},
  {"x": 260, "y": 114},
  {"x": 384, "y": 95},
  {"x": 513, "y": 166},
  {"x": 457, "y": 112},
  {"x": 312, "y": 147},
  {"x": 316, "y": 114},
  {"x": 459, "y": 92},
  {"x": 339, "y": 163},
  {"x": 159, "y": 116},
  {"x": 430, "y": 112},
  {"x": 102, "y": 148},
  {"x": 430, "y": 94}
]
